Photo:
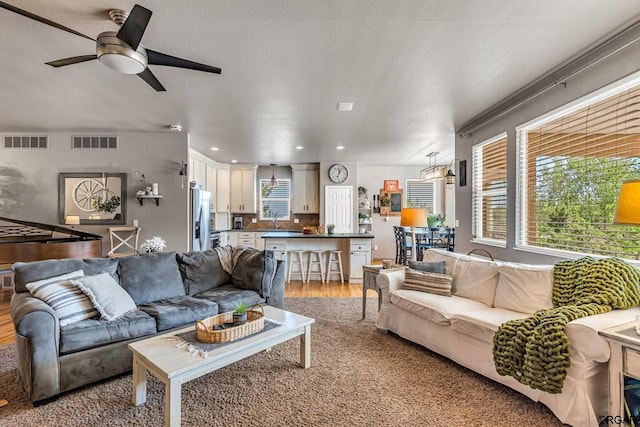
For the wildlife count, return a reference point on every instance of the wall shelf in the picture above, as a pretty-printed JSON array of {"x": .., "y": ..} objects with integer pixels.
[{"x": 156, "y": 198}]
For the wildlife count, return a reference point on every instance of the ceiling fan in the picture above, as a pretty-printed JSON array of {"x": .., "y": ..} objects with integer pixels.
[{"x": 121, "y": 51}]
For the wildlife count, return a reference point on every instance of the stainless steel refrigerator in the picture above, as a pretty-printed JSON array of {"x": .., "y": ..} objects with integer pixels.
[{"x": 200, "y": 214}]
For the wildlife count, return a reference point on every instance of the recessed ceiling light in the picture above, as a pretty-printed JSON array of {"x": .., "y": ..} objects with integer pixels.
[
  {"x": 214, "y": 149},
  {"x": 234, "y": 161},
  {"x": 340, "y": 147},
  {"x": 344, "y": 106},
  {"x": 299, "y": 147}
]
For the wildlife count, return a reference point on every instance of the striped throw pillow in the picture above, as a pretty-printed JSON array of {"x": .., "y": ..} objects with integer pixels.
[
  {"x": 434, "y": 283},
  {"x": 67, "y": 300}
]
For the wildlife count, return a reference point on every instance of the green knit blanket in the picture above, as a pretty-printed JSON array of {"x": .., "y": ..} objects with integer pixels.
[{"x": 535, "y": 351}]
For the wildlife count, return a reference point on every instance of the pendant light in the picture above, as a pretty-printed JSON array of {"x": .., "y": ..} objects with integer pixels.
[{"x": 273, "y": 183}]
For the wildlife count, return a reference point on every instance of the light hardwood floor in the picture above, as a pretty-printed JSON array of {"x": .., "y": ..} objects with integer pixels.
[{"x": 292, "y": 290}]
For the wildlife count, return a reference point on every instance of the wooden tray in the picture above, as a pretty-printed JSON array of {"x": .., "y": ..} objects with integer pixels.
[{"x": 206, "y": 333}]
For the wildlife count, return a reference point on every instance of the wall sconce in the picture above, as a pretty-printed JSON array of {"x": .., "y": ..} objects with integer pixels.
[
  {"x": 182, "y": 172},
  {"x": 450, "y": 177},
  {"x": 274, "y": 182}
]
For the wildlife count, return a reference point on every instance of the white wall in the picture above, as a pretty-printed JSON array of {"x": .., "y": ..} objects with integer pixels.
[
  {"x": 372, "y": 178},
  {"x": 608, "y": 71},
  {"x": 29, "y": 181}
]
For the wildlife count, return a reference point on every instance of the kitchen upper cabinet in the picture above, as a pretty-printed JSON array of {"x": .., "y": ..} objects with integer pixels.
[
  {"x": 211, "y": 180},
  {"x": 223, "y": 188},
  {"x": 199, "y": 174},
  {"x": 306, "y": 188},
  {"x": 243, "y": 189}
]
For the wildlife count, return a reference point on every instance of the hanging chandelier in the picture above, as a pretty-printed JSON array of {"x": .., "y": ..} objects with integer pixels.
[{"x": 274, "y": 182}]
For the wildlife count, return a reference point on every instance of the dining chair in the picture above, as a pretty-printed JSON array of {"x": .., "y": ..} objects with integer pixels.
[
  {"x": 403, "y": 246},
  {"x": 123, "y": 241}
]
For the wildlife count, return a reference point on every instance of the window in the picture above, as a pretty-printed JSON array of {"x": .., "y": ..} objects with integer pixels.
[
  {"x": 489, "y": 194},
  {"x": 275, "y": 201},
  {"x": 420, "y": 194},
  {"x": 571, "y": 165}
]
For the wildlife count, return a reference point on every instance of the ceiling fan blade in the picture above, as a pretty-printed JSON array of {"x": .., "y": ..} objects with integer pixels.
[
  {"x": 41, "y": 19},
  {"x": 73, "y": 60},
  {"x": 151, "y": 80},
  {"x": 133, "y": 28},
  {"x": 157, "y": 58}
]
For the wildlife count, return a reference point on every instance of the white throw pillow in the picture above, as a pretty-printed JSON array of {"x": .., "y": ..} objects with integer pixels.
[
  {"x": 524, "y": 287},
  {"x": 66, "y": 299},
  {"x": 475, "y": 279},
  {"x": 107, "y": 295}
]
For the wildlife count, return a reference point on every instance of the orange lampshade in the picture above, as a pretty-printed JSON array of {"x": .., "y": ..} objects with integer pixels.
[
  {"x": 413, "y": 217},
  {"x": 628, "y": 207}
]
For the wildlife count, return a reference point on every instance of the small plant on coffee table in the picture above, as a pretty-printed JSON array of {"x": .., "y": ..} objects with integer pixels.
[{"x": 240, "y": 313}]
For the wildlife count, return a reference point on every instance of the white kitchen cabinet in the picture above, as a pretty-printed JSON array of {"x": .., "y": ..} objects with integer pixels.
[
  {"x": 199, "y": 174},
  {"x": 278, "y": 247},
  {"x": 359, "y": 255},
  {"x": 243, "y": 190},
  {"x": 210, "y": 182},
  {"x": 223, "y": 188},
  {"x": 233, "y": 238},
  {"x": 306, "y": 188}
]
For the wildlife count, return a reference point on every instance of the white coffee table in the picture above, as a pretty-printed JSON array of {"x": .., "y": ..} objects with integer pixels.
[{"x": 175, "y": 366}]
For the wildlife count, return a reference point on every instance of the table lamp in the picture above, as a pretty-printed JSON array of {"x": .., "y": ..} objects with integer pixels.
[
  {"x": 72, "y": 220},
  {"x": 628, "y": 207},
  {"x": 413, "y": 217}
]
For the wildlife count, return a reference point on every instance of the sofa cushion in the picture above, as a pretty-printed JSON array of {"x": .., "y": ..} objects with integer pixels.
[
  {"x": 179, "y": 311},
  {"x": 483, "y": 324},
  {"x": 439, "y": 255},
  {"x": 95, "y": 333},
  {"x": 428, "y": 282},
  {"x": 106, "y": 295},
  {"x": 436, "y": 308},
  {"x": 228, "y": 295},
  {"x": 432, "y": 267},
  {"x": 202, "y": 271},
  {"x": 523, "y": 287},
  {"x": 26, "y": 272},
  {"x": 475, "y": 279},
  {"x": 66, "y": 299},
  {"x": 151, "y": 277},
  {"x": 255, "y": 270}
]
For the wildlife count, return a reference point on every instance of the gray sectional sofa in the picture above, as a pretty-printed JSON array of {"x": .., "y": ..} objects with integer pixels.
[{"x": 169, "y": 289}]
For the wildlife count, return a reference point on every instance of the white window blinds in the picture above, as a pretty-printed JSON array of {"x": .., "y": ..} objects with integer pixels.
[
  {"x": 571, "y": 167},
  {"x": 489, "y": 208},
  {"x": 275, "y": 201},
  {"x": 420, "y": 194}
]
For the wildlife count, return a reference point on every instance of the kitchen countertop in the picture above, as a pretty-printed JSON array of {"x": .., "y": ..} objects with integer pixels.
[{"x": 299, "y": 235}]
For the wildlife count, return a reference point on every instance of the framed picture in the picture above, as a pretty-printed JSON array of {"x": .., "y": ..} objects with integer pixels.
[
  {"x": 390, "y": 202},
  {"x": 391, "y": 185},
  {"x": 92, "y": 198}
]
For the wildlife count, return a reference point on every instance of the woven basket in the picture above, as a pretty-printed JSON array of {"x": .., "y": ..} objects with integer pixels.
[{"x": 206, "y": 333}]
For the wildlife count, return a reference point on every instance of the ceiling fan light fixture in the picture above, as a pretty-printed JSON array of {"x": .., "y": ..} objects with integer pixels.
[{"x": 117, "y": 55}]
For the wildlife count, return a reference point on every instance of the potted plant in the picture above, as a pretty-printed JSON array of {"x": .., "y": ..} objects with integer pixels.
[
  {"x": 239, "y": 313},
  {"x": 330, "y": 228},
  {"x": 155, "y": 244}
]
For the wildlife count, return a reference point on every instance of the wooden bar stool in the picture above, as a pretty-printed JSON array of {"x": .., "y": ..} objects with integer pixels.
[
  {"x": 337, "y": 262},
  {"x": 317, "y": 261},
  {"x": 292, "y": 260}
]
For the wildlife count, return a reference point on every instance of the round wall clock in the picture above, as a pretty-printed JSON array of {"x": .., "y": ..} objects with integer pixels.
[{"x": 338, "y": 173}]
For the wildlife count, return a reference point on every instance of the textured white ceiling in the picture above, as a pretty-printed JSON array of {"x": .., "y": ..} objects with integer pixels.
[{"x": 415, "y": 71}]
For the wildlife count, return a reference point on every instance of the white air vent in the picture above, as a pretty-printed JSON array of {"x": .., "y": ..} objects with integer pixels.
[
  {"x": 94, "y": 141},
  {"x": 26, "y": 141}
]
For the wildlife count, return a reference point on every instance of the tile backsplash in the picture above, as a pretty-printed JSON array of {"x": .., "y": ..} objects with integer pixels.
[{"x": 304, "y": 219}]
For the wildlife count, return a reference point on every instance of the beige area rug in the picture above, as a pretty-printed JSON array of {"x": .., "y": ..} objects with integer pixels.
[{"x": 359, "y": 376}]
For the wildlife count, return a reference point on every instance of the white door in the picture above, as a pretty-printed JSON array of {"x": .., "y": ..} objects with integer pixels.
[{"x": 338, "y": 207}]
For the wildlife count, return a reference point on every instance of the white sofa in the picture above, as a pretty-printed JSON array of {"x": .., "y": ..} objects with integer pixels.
[{"x": 485, "y": 295}]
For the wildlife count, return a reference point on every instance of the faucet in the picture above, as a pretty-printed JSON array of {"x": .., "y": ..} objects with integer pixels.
[{"x": 275, "y": 222}]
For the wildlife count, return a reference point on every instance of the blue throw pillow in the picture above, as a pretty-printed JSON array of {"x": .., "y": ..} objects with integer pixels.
[
  {"x": 151, "y": 277},
  {"x": 430, "y": 267}
]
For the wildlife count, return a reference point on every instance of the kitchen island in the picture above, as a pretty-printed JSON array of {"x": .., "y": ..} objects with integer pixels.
[{"x": 355, "y": 247}]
